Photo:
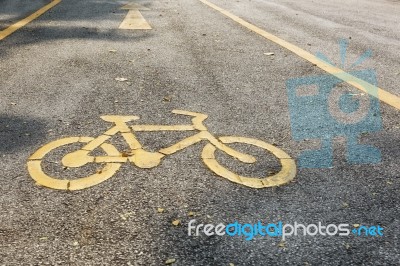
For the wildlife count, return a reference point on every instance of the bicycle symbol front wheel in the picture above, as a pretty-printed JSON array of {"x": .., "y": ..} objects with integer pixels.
[
  {"x": 37, "y": 172},
  {"x": 286, "y": 174}
]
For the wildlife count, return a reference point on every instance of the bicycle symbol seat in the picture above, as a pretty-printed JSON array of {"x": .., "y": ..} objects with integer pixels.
[{"x": 144, "y": 159}]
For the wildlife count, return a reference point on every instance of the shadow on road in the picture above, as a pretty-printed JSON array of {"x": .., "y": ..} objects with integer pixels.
[
  {"x": 73, "y": 19},
  {"x": 17, "y": 133}
]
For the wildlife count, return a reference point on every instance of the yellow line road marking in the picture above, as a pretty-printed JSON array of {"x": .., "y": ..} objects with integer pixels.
[
  {"x": 146, "y": 159},
  {"x": 134, "y": 19},
  {"x": 36, "y": 171},
  {"x": 11, "y": 29},
  {"x": 285, "y": 175},
  {"x": 362, "y": 85}
]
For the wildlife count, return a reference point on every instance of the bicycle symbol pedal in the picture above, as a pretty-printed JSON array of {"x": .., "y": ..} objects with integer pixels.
[{"x": 145, "y": 159}]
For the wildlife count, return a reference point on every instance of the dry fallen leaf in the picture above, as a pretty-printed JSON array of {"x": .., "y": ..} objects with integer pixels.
[
  {"x": 160, "y": 210},
  {"x": 269, "y": 53},
  {"x": 112, "y": 51},
  {"x": 124, "y": 154},
  {"x": 282, "y": 244},
  {"x": 121, "y": 79},
  {"x": 125, "y": 215},
  {"x": 191, "y": 213},
  {"x": 170, "y": 261},
  {"x": 176, "y": 222},
  {"x": 167, "y": 99},
  {"x": 356, "y": 225}
]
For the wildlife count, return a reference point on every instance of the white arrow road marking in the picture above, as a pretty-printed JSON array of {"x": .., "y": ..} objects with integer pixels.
[{"x": 134, "y": 19}]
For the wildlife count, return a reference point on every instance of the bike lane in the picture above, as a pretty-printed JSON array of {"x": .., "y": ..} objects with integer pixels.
[{"x": 140, "y": 216}]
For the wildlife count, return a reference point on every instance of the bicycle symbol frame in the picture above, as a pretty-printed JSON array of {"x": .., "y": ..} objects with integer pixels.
[{"x": 145, "y": 159}]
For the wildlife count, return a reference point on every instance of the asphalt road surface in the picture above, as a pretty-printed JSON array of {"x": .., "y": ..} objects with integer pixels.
[{"x": 63, "y": 70}]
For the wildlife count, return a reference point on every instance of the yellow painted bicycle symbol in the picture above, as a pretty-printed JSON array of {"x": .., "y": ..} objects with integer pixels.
[{"x": 144, "y": 159}]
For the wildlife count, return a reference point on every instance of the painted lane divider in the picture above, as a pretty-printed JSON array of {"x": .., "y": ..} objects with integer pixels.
[
  {"x": 16, "y": 26},
  {"x": 360, "y": 84},
  {"x": 134, "y": 19}
]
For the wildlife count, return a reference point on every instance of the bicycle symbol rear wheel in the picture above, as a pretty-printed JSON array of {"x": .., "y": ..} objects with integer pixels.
[
  {"x": 36, "y": 171},
  {"x": 286, "y": 174}
]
